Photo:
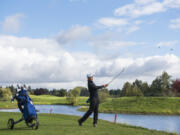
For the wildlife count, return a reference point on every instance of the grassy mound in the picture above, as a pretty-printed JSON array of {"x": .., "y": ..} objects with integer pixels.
[{"x": 141, "y": 105}]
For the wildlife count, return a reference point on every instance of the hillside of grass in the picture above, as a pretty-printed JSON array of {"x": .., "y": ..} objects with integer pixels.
[
  {"x": 141, "y": 105},
  {"x": 55, "y": 124}
]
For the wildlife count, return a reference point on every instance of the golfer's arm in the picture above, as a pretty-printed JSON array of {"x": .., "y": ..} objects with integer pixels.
[{"x": 97, "y": 87}]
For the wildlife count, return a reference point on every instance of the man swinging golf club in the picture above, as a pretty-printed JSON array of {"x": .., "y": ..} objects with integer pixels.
[{"x": 94, "y": 101}]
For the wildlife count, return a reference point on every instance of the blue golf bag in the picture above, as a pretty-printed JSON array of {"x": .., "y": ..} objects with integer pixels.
[{"x": 27, "y": 109}]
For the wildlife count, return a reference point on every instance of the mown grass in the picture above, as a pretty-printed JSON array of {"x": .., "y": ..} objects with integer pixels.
[
  {"x": 44, "y": 100},
  {"x": 141, "y": 105},
  {"x": 7, "y": 105},
  {"x": 54, "y": 124},
  {"x": 49, "y": 100}
]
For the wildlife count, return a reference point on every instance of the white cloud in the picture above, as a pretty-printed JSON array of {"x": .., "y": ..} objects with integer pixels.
[
  {"x": 132, "y": 29},
  {"x": 149, "y": 7},
  {"x": 175, "y": 24},
  {"x": 138, "y": 22},
  {"x": 167, "y": 43},
  {"x": 172, "y": 3},
  {"x": 12, "y": 23},
  {"x": 43, "y": 63},
  {"x": 77, "y": 32},
  {"x": 144, "y": 1},
  {"x": 139, "y": 67},
  {"x": 111, "y": 44},
  {"x": 137, "y": 10},
  {"x": 111, "y": 22}
]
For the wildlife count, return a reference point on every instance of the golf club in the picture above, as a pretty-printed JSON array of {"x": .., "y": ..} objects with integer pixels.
[{"x": 116, "y": 76}]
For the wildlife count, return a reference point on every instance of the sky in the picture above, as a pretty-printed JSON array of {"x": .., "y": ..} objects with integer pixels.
[{"x": 56, "y": 43}]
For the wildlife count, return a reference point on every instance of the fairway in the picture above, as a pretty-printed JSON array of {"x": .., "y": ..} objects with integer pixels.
[
  {"x": 52, "y": 124},
  {"x": 43, "y": 100}
]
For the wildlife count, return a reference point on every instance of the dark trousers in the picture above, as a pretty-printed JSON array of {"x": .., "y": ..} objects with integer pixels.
[{"x": 93, "y": 108}]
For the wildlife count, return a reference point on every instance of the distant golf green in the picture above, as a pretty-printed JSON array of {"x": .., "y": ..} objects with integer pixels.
[
  {"x": 44, "y": 100},
  {"x": 54, "y": 100},
  {"x": 55, "y": 124}
]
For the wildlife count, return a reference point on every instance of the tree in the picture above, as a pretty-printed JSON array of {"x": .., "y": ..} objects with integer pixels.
[
  {"x": 84, "y": 92},
  {"x": 73, "y": 95},
  {"x": 136, "y": 91},
  {"x": 115, "y": 92},
  {"x": 62, "y": 92},
  {"x": 165, "y": 83},
  {"x": 145, "y": 89},
  {"x": 138, "y": 83},
  {"x": 127, "y": 89},
  {"x": 176, "y": 87},
  {"x": 41, "y": 91},
  {"x": 161, "y": 85},
  {"x": 155, "y": 89},
  {"x": 5, "y": 94}
]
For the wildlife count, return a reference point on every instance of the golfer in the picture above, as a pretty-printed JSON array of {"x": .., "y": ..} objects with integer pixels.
[{"x": 94, "y": 101}]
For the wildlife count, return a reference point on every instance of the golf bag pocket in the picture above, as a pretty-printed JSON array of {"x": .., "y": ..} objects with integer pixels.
[{"x": 29, "y": 111}]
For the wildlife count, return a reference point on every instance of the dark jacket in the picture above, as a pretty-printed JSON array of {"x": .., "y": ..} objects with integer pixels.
[{"x": 93, "y": 89}]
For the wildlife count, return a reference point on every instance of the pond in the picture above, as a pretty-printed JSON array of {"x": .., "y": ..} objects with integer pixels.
[{"x": 157, "y": 122}]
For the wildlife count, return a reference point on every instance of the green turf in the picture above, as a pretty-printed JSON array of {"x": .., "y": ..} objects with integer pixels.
[
  {"x": 52, "y": 124},
  {"x": 48, "y": 99},
  {"x": 44, "y": 100},
  {"x": 135, "y": 105},
  {"x": 142, "y": 105},
  {"x": 7, "y": 105}
]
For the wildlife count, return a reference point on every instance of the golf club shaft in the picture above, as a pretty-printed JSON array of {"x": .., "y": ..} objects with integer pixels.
[{"x": 116, "y": 76}]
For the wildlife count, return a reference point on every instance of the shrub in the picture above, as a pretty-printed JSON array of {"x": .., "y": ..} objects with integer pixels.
[{"x": 5, "y": 94}]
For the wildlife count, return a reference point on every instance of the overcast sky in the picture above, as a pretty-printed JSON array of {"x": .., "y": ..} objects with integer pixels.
[{"x": 55, "y": 43}]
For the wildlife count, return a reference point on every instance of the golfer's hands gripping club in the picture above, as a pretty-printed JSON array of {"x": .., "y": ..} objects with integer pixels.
[{"x": 105, "y": 85}]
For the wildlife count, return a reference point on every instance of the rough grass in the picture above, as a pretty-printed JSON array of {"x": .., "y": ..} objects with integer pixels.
[
  {"x": 142, "y": 105},
  {"x": 54, "y": 124}
]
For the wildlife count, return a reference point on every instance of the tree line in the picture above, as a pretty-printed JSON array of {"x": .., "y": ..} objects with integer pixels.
[{"x": 162, "y": 85}]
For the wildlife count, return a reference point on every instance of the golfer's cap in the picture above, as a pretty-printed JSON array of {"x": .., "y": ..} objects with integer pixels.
[{"x": 89, "y": 75}]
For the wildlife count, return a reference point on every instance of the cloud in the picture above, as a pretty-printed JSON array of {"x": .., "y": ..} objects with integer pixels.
[
  {"x": 132, "y": 29},
  {"x": 175, "y": 24},
  {"x": 139, "y": 67},
  {"x": 172, "y": 3},
  {"x": 43, "y": 63},
  {"x": 137, "y": 10},
  {"x": 149, "y": 7},
  {"x": 111, "y": 44},
  {"x": 75, "y": 33},
  {"x": 144, "y": 1},
  {"x": 167, "y": 43},
  {"x": 112, "y": 22},
  {"x": 13, "y": 23}
]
